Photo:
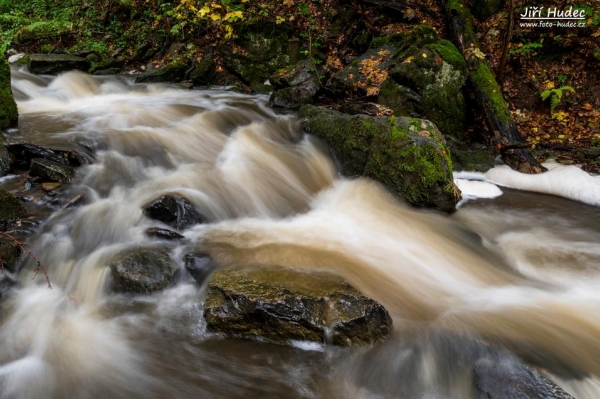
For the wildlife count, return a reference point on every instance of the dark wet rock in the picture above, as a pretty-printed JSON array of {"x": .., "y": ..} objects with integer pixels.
[
  {"x": 8, "y": 107},
  {"x": 199, "y": 265},
  {"x": 203, "y": 73},
  {"x": 177, "y": 212},
  {"x": 165, "y": 234},
  {"x": 110, "y": 66},
  {"x": 24, "y": 152},
  {"x": 295, "y": 86},
  {"x": 407, "y": 155},
  {"x": 53, "y": 64},
  {"x": 10, "y": 254},
  {"x": 504, "y": 376},
  {"x": 171, "y": 73},
  {"x": 284, "y": 304},
  {"x": 142, "y": 271},
  {"x": 11, "y": 209},
  {"x": 291, "y": 98},
  {"x": 49, "y": 170}
]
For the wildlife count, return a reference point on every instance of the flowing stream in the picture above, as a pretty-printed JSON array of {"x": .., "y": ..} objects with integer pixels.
[{"x": 528, "y": 280}]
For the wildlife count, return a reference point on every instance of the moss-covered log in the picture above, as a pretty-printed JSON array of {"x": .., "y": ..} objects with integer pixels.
[{"x": 503, "y": 133}]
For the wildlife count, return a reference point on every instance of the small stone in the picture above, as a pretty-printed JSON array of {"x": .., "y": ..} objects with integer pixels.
[
  {"x": 50, "y": 186},
  {"x": 165, "y": 234},
  {"x": 177, "y": 212}
]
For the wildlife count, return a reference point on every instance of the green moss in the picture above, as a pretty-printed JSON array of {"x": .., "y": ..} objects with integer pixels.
[
  {"x": 42, "y": 29},
  {"x": 413, "y": 161},
  {"x": 449, "y": 53},
  {"x": 8, "y": 108},
  {"x": 408, "y": 155},
  {"x": 11, "y": 208},
  {"x": 484, "y": 79},
  {"x": 378, "y": 42}
]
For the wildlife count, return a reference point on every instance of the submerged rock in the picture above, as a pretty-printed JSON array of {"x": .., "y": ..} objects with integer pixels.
[
  {"x": 6, "y": 285},
  {"x": 286, "y": 304},
  {"x": 142, "y": 271},
  {"x": 177, "y": 212},
  {"x": 53, "y": 64},
  {"x": 199, "y": 265},
  {"x": 11, "y": 209},
  {"x": 157, "y": 232},
  {"x": 49, "y": 170},
  {"x": 408, "y": 155},
  {"x": 504, "y": 376}
]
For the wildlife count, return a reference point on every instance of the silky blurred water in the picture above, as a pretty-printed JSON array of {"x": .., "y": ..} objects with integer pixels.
[{"x": 528, "y": 280}]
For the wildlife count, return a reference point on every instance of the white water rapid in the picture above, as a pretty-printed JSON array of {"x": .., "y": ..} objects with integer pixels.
[{"x": 517, "y": 269}]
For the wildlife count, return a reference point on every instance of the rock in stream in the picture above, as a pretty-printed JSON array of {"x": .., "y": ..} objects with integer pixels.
[{"x": 284, "y": 304}]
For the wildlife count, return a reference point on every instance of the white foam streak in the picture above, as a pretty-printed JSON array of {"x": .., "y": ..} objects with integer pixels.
[{"x": 565, "y": 181}]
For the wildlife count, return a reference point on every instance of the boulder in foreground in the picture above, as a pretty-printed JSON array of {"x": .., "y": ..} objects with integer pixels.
[{"x": 284, "y": 304}]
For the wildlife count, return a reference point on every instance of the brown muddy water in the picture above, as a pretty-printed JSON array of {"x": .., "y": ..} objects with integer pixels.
[{"x": 528, "y": 280}]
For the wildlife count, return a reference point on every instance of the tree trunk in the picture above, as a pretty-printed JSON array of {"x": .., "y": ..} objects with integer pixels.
[{"x": 503, "y": 133}]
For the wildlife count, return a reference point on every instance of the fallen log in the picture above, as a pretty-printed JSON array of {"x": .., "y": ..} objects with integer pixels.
[{"x": 503, "y": 133}]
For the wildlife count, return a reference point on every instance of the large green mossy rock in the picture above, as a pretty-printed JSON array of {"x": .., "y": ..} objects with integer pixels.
[
  {"x": 8, "y": 107},
  {"x": 259, "y": 52},
  {"x": 408, "y": 155},
  {"x": 415, "y": 74},
  {"x": 11, "y": 209},
  {"x": 285, "y": 304}
]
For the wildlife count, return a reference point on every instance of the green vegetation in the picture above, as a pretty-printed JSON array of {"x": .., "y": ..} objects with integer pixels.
[
  {"x": 8, "y": 107},
  {"x": 555, "y": 95}
]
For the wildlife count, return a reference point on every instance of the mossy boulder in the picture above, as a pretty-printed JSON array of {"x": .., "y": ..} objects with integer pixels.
[
  {"x": 53, "y": 64},
  {"x": 259, "y": 52},
  {"x": 170, "y": 73},
  {"x": 48, "y": 170},
  {"x": 11, "y": 209},
  {"x": 142, "y": 271},
  {"x": 408, "y": 155},
  {"x": 8, "y": 107},
  {"x": 414, "y": 73},
  {"x": 285, "y": 304}
]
